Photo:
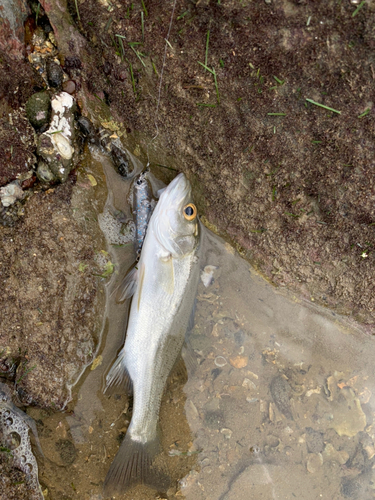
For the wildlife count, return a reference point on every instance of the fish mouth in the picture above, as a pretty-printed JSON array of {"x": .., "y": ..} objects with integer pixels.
[{"x": 178, "y": 189}]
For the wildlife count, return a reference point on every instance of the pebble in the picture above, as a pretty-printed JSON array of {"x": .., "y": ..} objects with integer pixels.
[
  {"x": 249, "y": 384},
  {"x": 330, "y": 453},
  {"x": 239, "y": 361},
  {"x": 38, "y": 109},
  {"x": 314, "y": 462},
  {"x": 69, "y": 87},
  {"x": 281, "y": 393},
  {"x": 85, "y": 125},
  {"x": 314, "y": 441},
  {"x": 207, "y": 275},
  {"x": 55, "y": 74},
  {"x": 55, "y": 146},
  {"x": 227, "y": 433},
  {"x": 10, "y": 193},
  {"x": 44, "y": 173}
]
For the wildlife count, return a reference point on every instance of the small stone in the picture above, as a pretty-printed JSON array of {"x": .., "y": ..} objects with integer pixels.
[
  {"x": 10, "y": 193},
  {"x": 314, "y": 462},
  {"x": 92, "y": 180},
  {"x": 239, "y": 361},
  {"x": 207, "y": 275},
  {"x": 249, "y": 384},
  {"x": 55, "y": 74},
  {"x": 227, "y": 433},
  {"x": 331, "y": 454},
  {"x": 314, "y": 441},
  {"x": 69, "y": 87},
  {"x": 97, "y": 362},
  {"x": 38, "y": 109},
  {"x": 29, "y": 182},
  {"x": 44, "y": 173}
]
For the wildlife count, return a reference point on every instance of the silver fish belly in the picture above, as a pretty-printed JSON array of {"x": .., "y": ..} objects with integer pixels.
[{"x": 167, "y": 277}]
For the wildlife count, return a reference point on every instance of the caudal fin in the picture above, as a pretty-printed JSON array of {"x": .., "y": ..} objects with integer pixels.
[{"x": 136, "y": 463}]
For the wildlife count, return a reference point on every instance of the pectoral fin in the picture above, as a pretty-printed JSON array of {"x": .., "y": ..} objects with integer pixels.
[
  {"x": 128, "y": 286},
  {"x": 118, "y": 377}
]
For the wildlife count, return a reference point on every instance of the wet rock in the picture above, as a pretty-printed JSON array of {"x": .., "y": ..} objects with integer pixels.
[
  {"x": 69, "y": 87},
  {"x": 314, "y": 462},
  {"x": 55, "y": 74},
  {"x": 87, "y": 129},
  {"x": 67, "y": 451},
  {"x": 227, "y": 433},
  {"x": 207, "y": 275},
  {"x": 44, "y": 173},
  {"x": 351, "y": 488},
  {"x": 347, "y": 415},
  {"x": 47, "y": 297},
  {"x": 39, "y": 37},
  {"x": 281, "y": 393},
  {"x": 331, "y": 454},
  {"x": 214, "y": 419},
  {"x": 13, "y": 15},
  {"x": 56, "y": 145},
  {"x": 38, "y": 109},
  {"x": 239, "y": 361},
  {"x": 10, "y": 193},
  {"x": 314, "y": 441},
  {"x": 12, "y": 480},
  {"x": 14, "y": 438}
]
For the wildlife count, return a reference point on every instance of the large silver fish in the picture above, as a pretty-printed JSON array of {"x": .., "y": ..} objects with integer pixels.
[{"x": 164, "y": 285}]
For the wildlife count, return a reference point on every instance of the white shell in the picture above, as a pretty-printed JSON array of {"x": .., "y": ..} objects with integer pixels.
[{"x": 63, "y": 145}]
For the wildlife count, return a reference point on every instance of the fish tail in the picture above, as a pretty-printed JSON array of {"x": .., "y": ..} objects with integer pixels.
[{"x": 137, "y": 463}]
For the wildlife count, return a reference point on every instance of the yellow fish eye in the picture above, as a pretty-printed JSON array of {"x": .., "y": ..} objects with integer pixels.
[{"x": 190, "y": 211}]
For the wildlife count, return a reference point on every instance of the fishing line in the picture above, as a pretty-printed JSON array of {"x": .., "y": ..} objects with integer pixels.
[{"x": 160, "y": 82}]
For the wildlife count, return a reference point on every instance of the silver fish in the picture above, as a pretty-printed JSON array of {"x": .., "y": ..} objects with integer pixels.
[
  {"x": 14, "y": 436},
  {"x": 142, "y": 209},
  {"x": 164, "y": 285}
]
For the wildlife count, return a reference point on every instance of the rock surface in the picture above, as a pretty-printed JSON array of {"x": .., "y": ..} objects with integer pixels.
[
  {"x": 49, "y": 316},
  {"x": 287, "y": 180},
  {"x": 13, "y": 15}
]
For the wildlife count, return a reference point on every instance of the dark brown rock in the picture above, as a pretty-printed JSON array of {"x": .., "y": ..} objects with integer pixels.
[{"x": 69, "y": 87}]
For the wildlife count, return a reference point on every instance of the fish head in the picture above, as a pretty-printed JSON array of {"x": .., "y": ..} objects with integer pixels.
[{"x": 175, "y": 222}]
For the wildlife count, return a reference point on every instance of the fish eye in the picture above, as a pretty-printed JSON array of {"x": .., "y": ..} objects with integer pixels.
[{"x": 190, "y": 211}]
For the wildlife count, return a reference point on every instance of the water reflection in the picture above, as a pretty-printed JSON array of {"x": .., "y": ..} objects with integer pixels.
[{"x": 279, "y": 405}]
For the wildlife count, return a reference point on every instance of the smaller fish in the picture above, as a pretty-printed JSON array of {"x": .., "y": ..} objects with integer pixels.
[
  {"x": 14, "y": 437},
  {"x": 142, "y": 209}
]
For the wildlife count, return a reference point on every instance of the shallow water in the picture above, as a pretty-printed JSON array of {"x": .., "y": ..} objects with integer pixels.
[{"x": 279, "y": 405}]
